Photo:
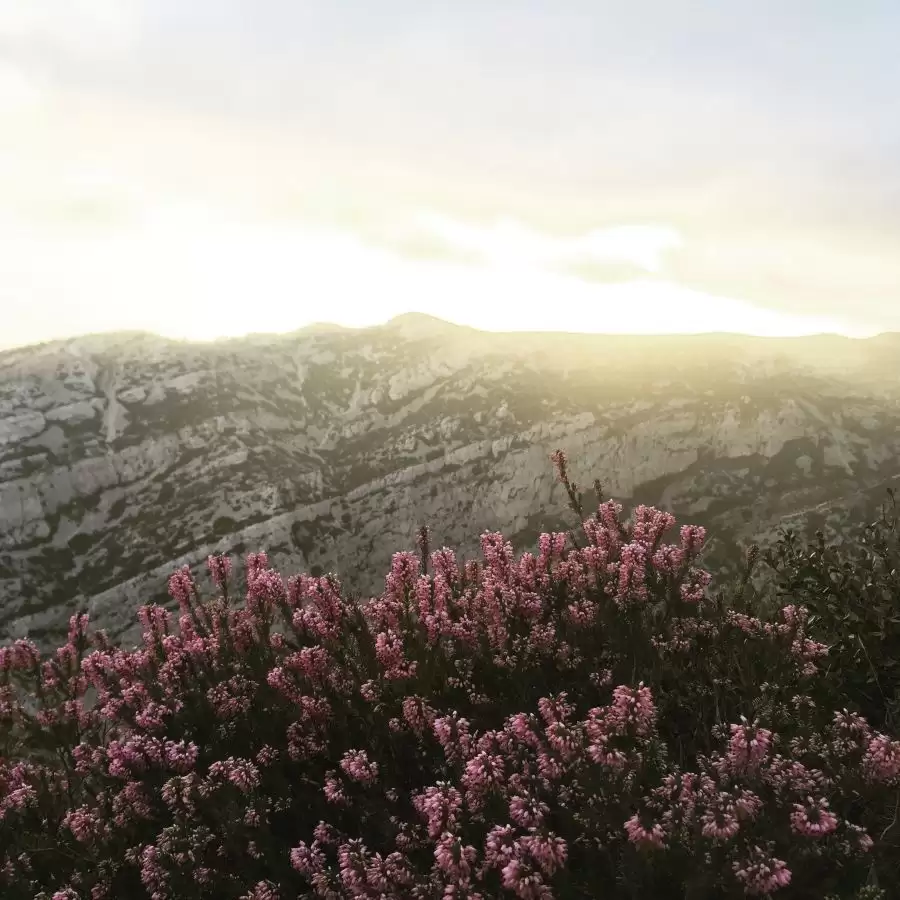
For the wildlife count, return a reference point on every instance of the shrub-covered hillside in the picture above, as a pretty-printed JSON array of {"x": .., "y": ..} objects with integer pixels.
[{"x": 579, "y": 723}]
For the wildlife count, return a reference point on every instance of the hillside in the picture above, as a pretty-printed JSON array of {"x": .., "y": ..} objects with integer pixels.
[{"x": 123, "y": 456}]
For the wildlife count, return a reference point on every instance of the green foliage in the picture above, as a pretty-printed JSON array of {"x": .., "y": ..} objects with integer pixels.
[{"x": 853, "y": 595}]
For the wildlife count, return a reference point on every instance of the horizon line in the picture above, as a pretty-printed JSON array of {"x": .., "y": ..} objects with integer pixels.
[{"x": 322, "y": 327}]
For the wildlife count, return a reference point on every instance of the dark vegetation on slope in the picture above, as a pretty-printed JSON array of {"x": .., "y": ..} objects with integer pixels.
[{"x": 585, "y": 721}]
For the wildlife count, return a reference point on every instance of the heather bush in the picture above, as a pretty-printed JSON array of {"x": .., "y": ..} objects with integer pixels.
[
  {"x": 581, "y": 722},
  {"x": 852, "y": 592}
]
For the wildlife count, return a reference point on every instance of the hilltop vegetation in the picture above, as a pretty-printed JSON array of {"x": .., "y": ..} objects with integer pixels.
[{"x": 586, "y": 721}]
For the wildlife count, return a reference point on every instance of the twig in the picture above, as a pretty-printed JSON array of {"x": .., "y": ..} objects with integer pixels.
[
  {"x": 894, "y": 820},
  {"x": 877, "y": 682}
]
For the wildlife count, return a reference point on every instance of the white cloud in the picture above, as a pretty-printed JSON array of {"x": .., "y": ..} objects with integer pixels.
[
  {"x": 187, "y": 270},
  {"x": 78, "y": 26},
  {"x": 508, "y": 242},
  {"x": 19, "y": 91}
]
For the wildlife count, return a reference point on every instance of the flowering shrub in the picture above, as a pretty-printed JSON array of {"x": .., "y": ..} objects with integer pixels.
[
  {"x": 853, "y": 595},
  {"x": 579, "y": 723}
]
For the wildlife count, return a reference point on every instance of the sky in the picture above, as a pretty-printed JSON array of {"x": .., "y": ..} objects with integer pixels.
[{"x": 219, "y": 167}]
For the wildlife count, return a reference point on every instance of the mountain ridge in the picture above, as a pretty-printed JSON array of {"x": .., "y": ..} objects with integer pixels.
[
  {"x": 123, "y": 458},
  {"x": 424, "y": 320}
]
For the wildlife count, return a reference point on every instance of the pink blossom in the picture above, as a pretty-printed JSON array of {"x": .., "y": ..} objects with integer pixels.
[
  {"x": 219, "y": 569},
  {"x": 358, "y": 767},
  {"x": 761, "y": 873},
  {"x": 813, "y": 818},
  {"x": 642, "y": 836}
]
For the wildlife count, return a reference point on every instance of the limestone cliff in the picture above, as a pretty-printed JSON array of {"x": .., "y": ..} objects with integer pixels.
[{"x": 124, "y": 456}]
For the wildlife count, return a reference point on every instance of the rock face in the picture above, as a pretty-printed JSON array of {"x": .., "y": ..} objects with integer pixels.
[{"x": 122, "y": 457}]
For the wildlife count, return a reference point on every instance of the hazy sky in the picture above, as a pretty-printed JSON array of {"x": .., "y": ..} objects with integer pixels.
[{"x": 211, "y": 167}]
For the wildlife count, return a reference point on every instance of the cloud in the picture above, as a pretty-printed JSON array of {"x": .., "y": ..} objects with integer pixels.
[
  {"x": 20, "y": 92},
  {"x": 768, "y": 154},
  {"x": 605, "y": 272},
  {"x": 50, "y": 46},
  {"x": 822, "y": 271},
  {"x": 189, "y": 270},
  {"x": 78, "y": 26},
  {"x": 509, "y": 242}
]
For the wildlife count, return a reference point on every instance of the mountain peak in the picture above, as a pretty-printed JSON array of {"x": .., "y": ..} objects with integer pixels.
[{"x": 416, "y": 324}]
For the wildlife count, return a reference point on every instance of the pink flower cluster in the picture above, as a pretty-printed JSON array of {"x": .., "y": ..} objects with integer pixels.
[{"x": 527, "y": 727}]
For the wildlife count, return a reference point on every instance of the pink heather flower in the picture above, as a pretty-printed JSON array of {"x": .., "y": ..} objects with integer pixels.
[
  {"x": 181, "y": 757},
  {"x": 85, "y": 824},
  {"x": 440, "y": 805},
  {"x": 747, "y": 804},
  {"x": 353, "y": 860},
  {"x": 554, "y": 710},
  {"x": 153, "y": 875},
  {"x": 863, "y": 842},
  {"x": 668, "y": 559},
  {"x": 265, "y": 589},
  {"x": 552, "y": 546},
  {"x": 632, "y": 711},
  {"x": 813, "y": 818},
  {"x": 77, "y": 627},
  {"x": 177, "y": 792},
  {"x": 720, "y": 824},
  {"x": 255, "y": 563},
  {"x": 795, "y": 615},
  {"x": 499, "y": 846},
  {"x": 312, "y": 662},
  {"x": 693, "y": 590},
  {"x": 527, "y": 811},
  {"x": 547, "y": 850},
  {"x": 497, "y": 552},
  {"x": 748, "y": 746},
  {"x": 333, "y": 790},
  {"x": 240, "y": 772},
  {"x": 181, "y": 587},
  {"x": 453, "y": 858},
  {"x": 762, "y": 874},
  {"x": 307, "y": 860},
  {"x": 369, "y": 691},
  {"x": 882, "y": 760},
  {"x": 155, "y": 619},
  {"x": 219, "y": 569},
  {"x": 356, "y": 766},
  {"x": 692, "y": 539},
  {"x": 560, "y": 462},
  {"x": 452, "y": 734},
  {"x": 649, "y": 525},
  {"x": 230, "y": 698},
  {"x": 632, "y": 575},
  {"x": 582, "y": 613},
  {"x": 418, "y": 714},
  {"x": 326, "y": 834},
  {"x": 641, "y": 836},
  {"x": 390, "y": 652},
  {"x": 405, "y": 570},
  {"x": 521, "y": 878},
  {"x": 266, "y": 755},
  {"x": 483, "y": 772},
  {"x": 263, "y": 890},
  {"x": 608, "y": 513},
  {"x": 851, "y": 723},
  {"x": 525, "y": 728}
]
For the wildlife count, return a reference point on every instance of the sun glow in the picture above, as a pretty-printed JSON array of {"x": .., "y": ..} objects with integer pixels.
[{"x": 184, "y": 272}]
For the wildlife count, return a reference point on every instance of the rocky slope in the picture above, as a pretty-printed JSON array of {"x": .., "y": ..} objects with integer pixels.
[{"x": 124, "y": 456}]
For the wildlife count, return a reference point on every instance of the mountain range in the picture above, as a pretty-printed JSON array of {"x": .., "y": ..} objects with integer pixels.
[{"x": 123, "y": 456}]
